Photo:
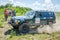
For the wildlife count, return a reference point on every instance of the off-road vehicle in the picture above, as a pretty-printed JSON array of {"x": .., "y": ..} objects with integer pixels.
[{"x": 32, "y": 18}]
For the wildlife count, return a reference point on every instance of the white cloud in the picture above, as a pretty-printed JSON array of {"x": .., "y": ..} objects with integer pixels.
[
  {"x": 47, "y": 5},
  {"x": 39, "y": 6},
  {"x": 36, "y": 3},
  {"x": 17, "y": 3},
  {"x": 47, "y": 1},
  {"x": 11, "y": 1},
  {"x": 57, "y": 8},
  {"x": 3, "y": 3}
]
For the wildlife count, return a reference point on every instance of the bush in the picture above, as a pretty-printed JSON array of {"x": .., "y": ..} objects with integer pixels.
[{"x": 1, "y": 25}]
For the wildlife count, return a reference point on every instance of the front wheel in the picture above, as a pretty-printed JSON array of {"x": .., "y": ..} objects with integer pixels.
[{"x": 24, "y": 28}]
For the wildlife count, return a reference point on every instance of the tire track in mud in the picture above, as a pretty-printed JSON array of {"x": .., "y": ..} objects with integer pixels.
[
  {"x": 3, "y": 30},
  {"x": 56, "y": 27},
  {"x": 47, "y": 28}
]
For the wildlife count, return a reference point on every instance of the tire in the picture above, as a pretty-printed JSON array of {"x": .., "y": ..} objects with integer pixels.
[
  {"x": 54, "y": 21},
  {"x": 51, "y": 24},
  {"x": 24, "y": 28}
]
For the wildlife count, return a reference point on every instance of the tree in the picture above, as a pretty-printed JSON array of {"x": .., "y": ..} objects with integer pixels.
[
  {"x": 1, "y": 6},
  {"x": 8, "y": 5}
]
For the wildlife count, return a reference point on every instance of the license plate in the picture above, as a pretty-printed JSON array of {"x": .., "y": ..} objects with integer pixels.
[{"x": 37, "y": 20}]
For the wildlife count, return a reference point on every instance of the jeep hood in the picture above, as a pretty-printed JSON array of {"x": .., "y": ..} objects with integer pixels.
[{"x": 21, "y": 17}]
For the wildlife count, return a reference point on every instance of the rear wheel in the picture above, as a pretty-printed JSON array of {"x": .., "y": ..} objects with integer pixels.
[
  {"x": 51, "y": 24},
  {"x": 24, "y": 28},
  {"x": 54, "y": 21}
]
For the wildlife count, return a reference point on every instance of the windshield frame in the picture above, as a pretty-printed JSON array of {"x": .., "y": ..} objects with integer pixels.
[{"x": 30, "y": 13}]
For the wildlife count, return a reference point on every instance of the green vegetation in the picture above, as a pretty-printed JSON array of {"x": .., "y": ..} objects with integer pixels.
[
  {"x": 1, "y": 22},
  {"x": 1, "y": 25},
  {"x": 53, "y": 36},
  {"x": 58, "y": 15},
  {"x": 17, "y": 36},
  {"x": 19, "y": 11},
  {"x": 22, "y": 11}
]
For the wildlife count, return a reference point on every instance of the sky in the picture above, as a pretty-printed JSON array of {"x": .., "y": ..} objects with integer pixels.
[{"x": 50, "y": 5}]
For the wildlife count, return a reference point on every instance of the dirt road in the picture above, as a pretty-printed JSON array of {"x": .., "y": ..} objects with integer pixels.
[
  {"x": 56, "y": 27},
  {"x": 48, "y": 29},
  {"x": 3, "y": 30}
]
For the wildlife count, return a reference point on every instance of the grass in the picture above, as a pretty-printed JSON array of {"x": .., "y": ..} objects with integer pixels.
[
  {"x": 53, "y": 36},
  {"x": 19, "y": 14},
  {"x": 2, "y": 22},
  {"x": 57, "y": 15},
  {"x": 30, "y": 37},
  {"x": 1, "y": 25}
]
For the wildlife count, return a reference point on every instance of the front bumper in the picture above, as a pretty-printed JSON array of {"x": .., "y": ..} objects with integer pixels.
[{"x": 13, "y": 24}]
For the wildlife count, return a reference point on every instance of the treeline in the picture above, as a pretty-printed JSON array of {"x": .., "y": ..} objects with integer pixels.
[{"x": 21, "y": 10}]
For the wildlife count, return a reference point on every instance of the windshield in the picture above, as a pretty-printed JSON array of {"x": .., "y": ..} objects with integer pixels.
[{"x": 30, "y": 14}]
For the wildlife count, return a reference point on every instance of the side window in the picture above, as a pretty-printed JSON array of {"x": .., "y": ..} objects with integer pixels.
[{"x": 38, "y": 14}]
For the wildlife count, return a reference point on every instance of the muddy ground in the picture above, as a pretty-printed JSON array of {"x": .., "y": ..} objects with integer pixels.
[{"x": 47, "y": 29}]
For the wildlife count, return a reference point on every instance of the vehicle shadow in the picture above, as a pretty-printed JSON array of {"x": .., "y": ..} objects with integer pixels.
[
  {"x": 12, "y": 31},
  {"x": 17, "y": 33}
]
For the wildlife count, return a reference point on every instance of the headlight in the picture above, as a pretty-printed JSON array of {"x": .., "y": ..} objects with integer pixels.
[{"x": 16, "y": 21}]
